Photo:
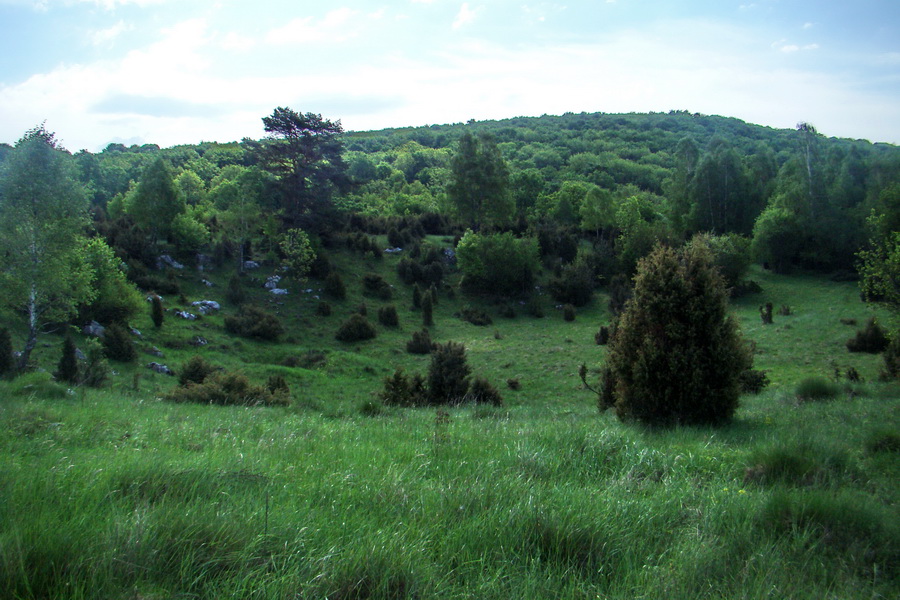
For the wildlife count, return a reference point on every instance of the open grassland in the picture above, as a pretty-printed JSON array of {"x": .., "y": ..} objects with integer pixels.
[{"x": 116, "y": 493}]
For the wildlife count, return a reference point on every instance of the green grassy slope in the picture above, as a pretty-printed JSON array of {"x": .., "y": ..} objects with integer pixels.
[{"x": 115, "y": 493}]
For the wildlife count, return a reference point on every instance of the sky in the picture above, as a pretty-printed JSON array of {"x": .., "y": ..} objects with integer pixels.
[{"x": 174, "y": 72}]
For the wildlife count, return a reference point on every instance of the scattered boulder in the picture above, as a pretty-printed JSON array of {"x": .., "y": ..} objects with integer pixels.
[
  {"x": 154, "y": 351},
  {"x": 167, "y": 261},
  {"x": 393, "y": 250},
  {"x": 186, "y": 315},
  {"x": 250, "y": 265},
  {"x": 94, "y": 329},
  {"x": 136, "y": 333},
  {"x": 207, "y": 283},
  {"x": 198, "y": 341},
  {"x": 278, "y": 292},
  {"x": 206, "y": 306},
  {"x": 272, "y": 282},
  {"x": 155, "y": 366}
]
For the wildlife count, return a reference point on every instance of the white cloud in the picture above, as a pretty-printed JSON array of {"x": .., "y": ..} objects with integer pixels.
[
  {"x": 337, "y": 26},
  {"x": 106, "y": 37},
  {"x": 808, "y": 25},
  {"x": 465, "y": 16}
]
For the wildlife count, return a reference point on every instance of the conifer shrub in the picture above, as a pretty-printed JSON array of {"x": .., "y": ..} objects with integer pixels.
[
  {"x": 513, "y": 384},
  {"x": 7, "y": 359},
  {"x": 387, "y": 316},
  {"x": 254, "y": 322},
  {"x": 67, "y": 369},
  {"x": 375, "y": 285},
  {"x": 117, "y": 344},
  {"x": 620, "y": 292},
  {"x": 753, "y": 381},
  {"x": 96, "y": 369},
  {"x": 677, "y": 355},
  {"x": 765, "y": 313},
  {"x": 323, "y": 309},
  {"x": 482, "y": 392},
  {"x": 475, "y": 316},
  {"x": 420, "y": 343},
  {"x": 427, "y": 309},
  {"x": 195, "y": 370},
  {"x": 395, "y": 238},
  {"x": 235, "y": 292},
  {"x": 156, "y": 311},
  {"x": 603, "y": 336},
  {"x": 334, "y": 286},
  {"x": 410, "y": 271},
  {"x": 534, "y": 307},
  {"x": 362, "y": 309},
  {"x": 432, "y": 289},
  {"x": 355, "y": 329},
  {"x": 277, "y": 386},
  {"x": 892, "y": 358},
  {"x": 871, "y": 339},
  {"x": 448, "y": 374},
  {"x": 403, "y": 390},
  {"x": 569, "y": 313},
  {"x": 884, "y": 439},
  {"x": 417, "y": 297},
  {"x": 574, "y": 285}
]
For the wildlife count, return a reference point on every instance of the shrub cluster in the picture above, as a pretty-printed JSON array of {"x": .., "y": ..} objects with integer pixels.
[
  {"x": 195, "y": 370},
  {"x": 871, "y": 339},
  {"x": 355, "y": 329},
  {"x": 67, "y": 369},
  {"x": 569, "y": 313},
  {"x": 475, "y": 316},
  {"x": 412, "y": 271},
  {"x": 117, "y": 344},
  {"x": 420, "y": 343},
  {"x": 387, "y": 316},
  {"x": 403, "y": 390},
  {"x": 334, "y": 286},
  {"x": 231, "y": 389},
  {"x": 235, "y": 292},
  {"x": 375, "y": 285},
  {"x": 574, "y": 285},
  {"x": 812, "y": 389},
  {"x": 254, "y": 322}
]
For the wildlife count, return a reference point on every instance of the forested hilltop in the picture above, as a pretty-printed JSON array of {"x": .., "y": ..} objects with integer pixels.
[{"x": 592, "y": 192}]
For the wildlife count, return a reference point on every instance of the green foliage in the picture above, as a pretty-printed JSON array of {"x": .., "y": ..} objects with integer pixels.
[
  {"x": 479, "y": 187},
  {"x": 428, "y": 309},
  {"x": 116, "y": 299},
  {"x": 575, "y": 285},
  {"x": 482, "y": 392},
  {"x": 228, "y": 389},
  {"x": 754, "y": 381},
  {"x": 117, "y": 344},
  {"x": 156, "y": 311},
  {"x": 777, "y": 237},
  {"x": 254, "y": 322},
  {"x": 195, "y": 370},
  {"x": 883, "y": 440},
  {"x": 96, "y": 370},
  {"x": 67, "y": 368},
  {"x": 297, "y": 252},
  {"x": 334, "y": 286},
  {"x": 43, "y": 213},
  {"x": 156, "y": 203},
  {"x": 872, "y": 339},
  {"x": 569, "y": 312},
  {"x": 355, "y": 329},
  {"x": 448, "y": 374},
  {"x": 880, "y": 268},
  {"x": 497, "y": 263},
  {"x": 677, "y": 356},
  {"x": 374, "y": 285},
  {"x": 235, "y": 292},
  {"x": 323, "y": 309},
  {"x": 730, "y": 255},
  {"x": 403, "y": 390},
  {"x": 387, "y": 316},
  {"x": 420, "y": 343},
  {"x": 892, "y": 358},
  {"x": 476, "y": 316}
]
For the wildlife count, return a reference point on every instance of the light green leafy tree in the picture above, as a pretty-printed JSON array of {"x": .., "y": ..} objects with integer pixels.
[
  {"x": 298, "y": 252},
  {"x": 43, "y": 213},
  {"x": 479, "y": 185}
]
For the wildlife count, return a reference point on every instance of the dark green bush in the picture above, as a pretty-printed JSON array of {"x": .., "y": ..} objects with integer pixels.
[
  {"x": 816, "y": 388},
  {"x": 195, "y": 370},
  {"x": 420, "y": 343},
  {"x": 872, "y": 339},
  {"x": 620, "y": 292},
  {"x": 117, "y": 344},
  {"x": 67, "y": 369},
  {"x": 497, "y": 264},
  {"x": 575, "y": 284},
  {"x": 323, "y": 309},
  {"x": 482, "y": 392},
  {"x": 254, "y": 322},
  {"x": 427, "y": 309},
  {"x": 402, "y": 390},
  {"x": 602, "y": 337},
  {"x": 96, "y": 369},
  {"x": 355, "y": 329},
  {"x": 235, "y": 291},
  {"x": 334, "y": 286},
  {"x": 375, "y": 285},
  {"x": 534, "y": 307},
  {"x": 448, "y": 374},
  {"x": 753, "y": 381},
  {"x": 156, "y": 311},
  {"x": 507, "y": 311},
  {"x": 677, "y": 355},
  {"x": 884, "y": 439},
  {"x": 568, "y": 312},
  {"x": 475, "y": 316},
  {"x": 7, "y": 359},
  {"x": 417, "y": 296},
  {"x": 228, "y": 389},
  {"x": 892, "y": 358},
  {"x": 387, "y": 316}
]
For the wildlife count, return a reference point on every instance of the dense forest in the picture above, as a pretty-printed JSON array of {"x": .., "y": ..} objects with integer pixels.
[{"x": 592, "y": 192}]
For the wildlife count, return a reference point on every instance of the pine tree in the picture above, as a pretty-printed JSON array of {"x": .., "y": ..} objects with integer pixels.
[
  {"x": 427, "y": 310},
  {"x": 448, "y": 374},
  {"x": 677, "y": 355},
  {"x": 156, "y": 311}
]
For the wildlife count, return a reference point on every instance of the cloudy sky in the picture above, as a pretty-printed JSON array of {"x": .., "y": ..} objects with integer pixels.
[{"x": 184, "y": 71}]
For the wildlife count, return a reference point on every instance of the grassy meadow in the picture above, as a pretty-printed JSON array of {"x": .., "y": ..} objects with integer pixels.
[{"x": 118, "y": 493}]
